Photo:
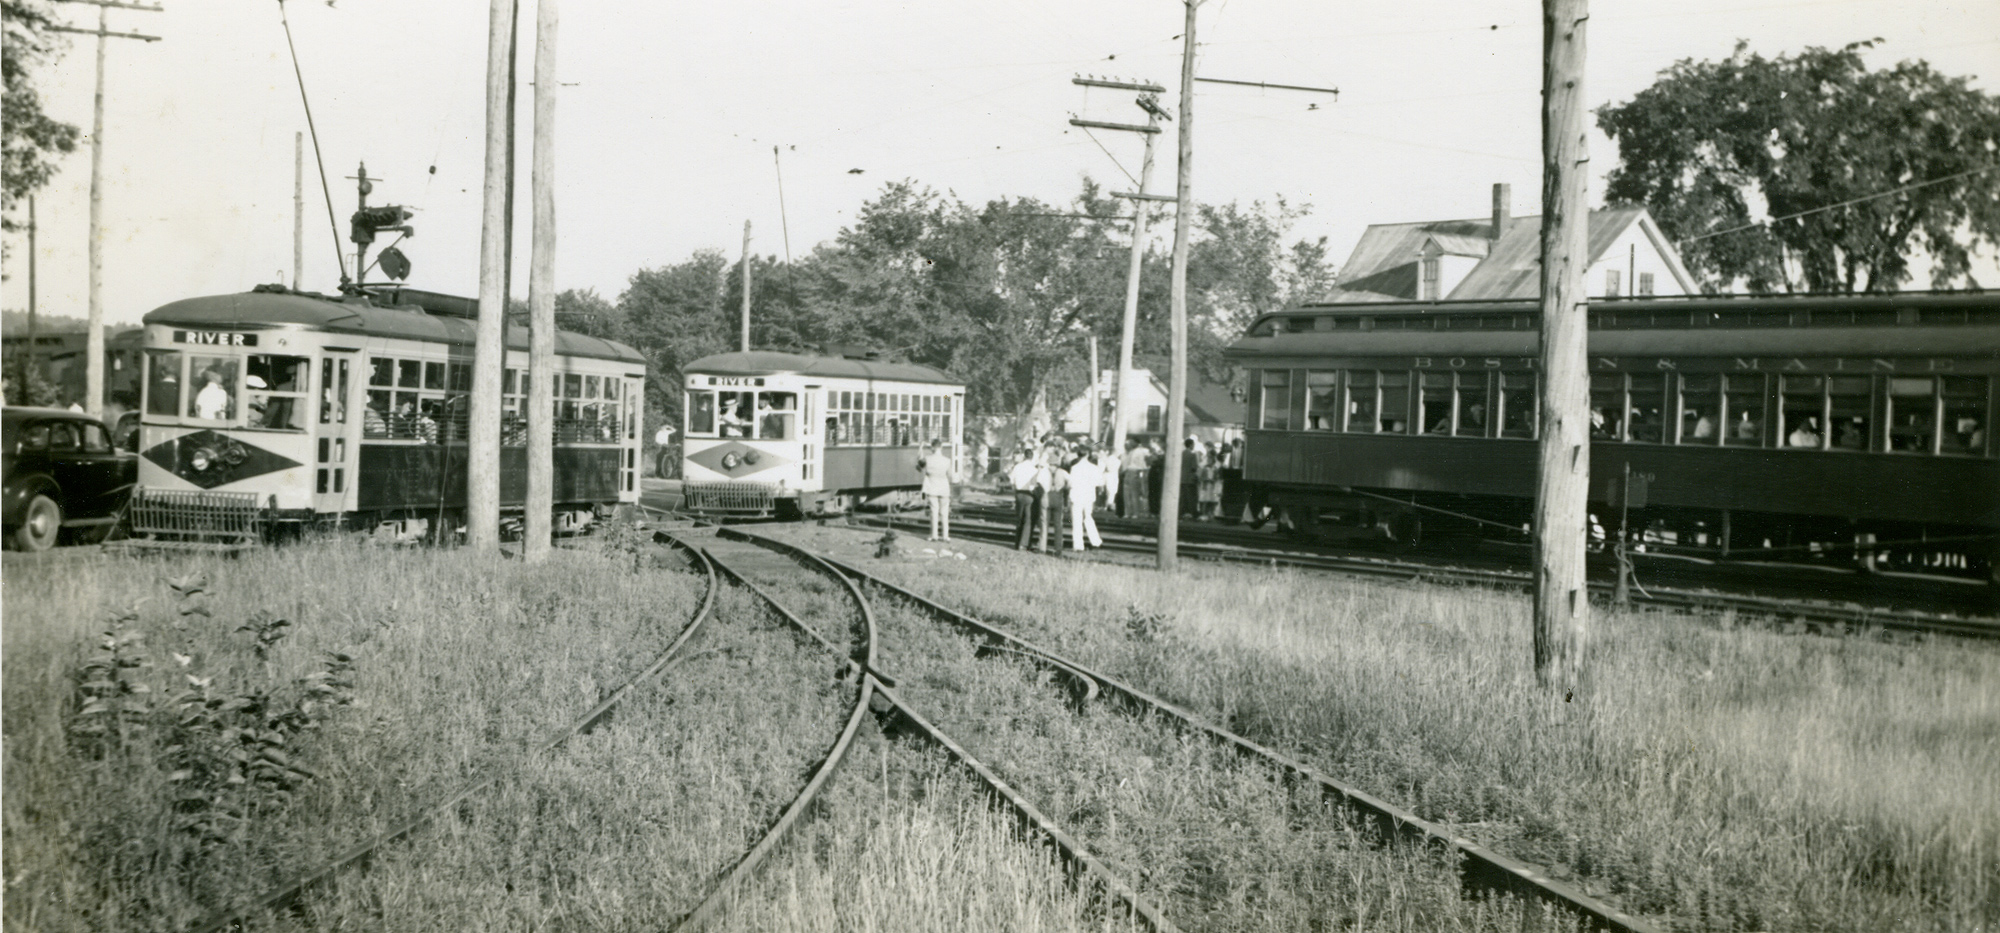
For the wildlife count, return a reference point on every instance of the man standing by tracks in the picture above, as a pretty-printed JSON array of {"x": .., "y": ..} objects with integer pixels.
[
  {"x": 1029, "y": 478},
  {"x": 1084, "y": 477}
]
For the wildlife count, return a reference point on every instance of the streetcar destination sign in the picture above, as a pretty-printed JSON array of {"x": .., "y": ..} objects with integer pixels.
[{"x": 215, "y": 338}]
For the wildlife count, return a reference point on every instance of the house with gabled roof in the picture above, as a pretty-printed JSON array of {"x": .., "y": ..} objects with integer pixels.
[{"x": 1499, "y": 256}]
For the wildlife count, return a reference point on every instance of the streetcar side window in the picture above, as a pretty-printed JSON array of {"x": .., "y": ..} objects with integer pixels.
[
  {"x": 1803, "y": 404},
  {"x": 1395, "y": 401},
  {"x": 1361, "y": 400},
  {"x": 164, "y": 379},
  {"x": 1743, "y": 409},
  {"x": 1965, "y": 415},
  {"x": 1435, "y": 401},
  {"x": 1323, "y": 400},
  {"x": 1276, "y": 400},
  {"x": 1472, "y": 404},
  {"x": 1517, "y": 404},
  {"x": 1646, "y": 421},
  {"x": 1848, "y": 407},
  {"x": 1701, "y": 403},
  {"x": 700, "y": 413},
  {"x": 1607, "y": 406}
]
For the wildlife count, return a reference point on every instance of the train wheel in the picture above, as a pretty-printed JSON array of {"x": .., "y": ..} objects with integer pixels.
[{"x": 40, "y": 525}]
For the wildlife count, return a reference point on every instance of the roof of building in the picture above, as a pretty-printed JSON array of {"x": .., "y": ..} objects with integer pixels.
[
  {"x": 272, "y": 308},
  {"x": 771, "y": 362},
  {"x": 1207, "y": 402},
  {"x": 1383, "y": 266}
]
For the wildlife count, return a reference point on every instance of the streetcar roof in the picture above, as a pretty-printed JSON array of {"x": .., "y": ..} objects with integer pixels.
[
  {"x": 771, "y": 362},
  {"x": 259, "y": 309}
]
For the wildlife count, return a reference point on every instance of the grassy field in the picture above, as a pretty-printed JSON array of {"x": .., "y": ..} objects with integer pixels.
[{"x": 1725, "y": 778}]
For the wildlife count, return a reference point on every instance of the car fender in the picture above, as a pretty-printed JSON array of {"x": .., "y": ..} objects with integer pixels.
[{"x": 22, "y": 490}]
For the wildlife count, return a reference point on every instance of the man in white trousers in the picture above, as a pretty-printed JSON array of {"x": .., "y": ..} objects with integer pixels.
[{"x": 1084, "y": 478}]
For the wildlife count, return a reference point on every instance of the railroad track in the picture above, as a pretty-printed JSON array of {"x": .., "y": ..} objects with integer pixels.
[
  {"x": 1122, "y": 540},
  {"x": 924, "y": 660},
  {"x": 287, "y": 894}
]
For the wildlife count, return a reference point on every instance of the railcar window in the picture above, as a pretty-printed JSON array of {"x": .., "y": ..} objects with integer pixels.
[
  {"x": 1362, "y": 405},
  {"x": 1645, "y": 419},
  {"x": 216, "y": 380},
  {"x": 277, "y": 393},
  {"x": 409, "y": 374},
  {"x": 1276, "y": 400},
  {"x": 777, "y": 415},
  {"x": 1743, "y": 409},
  {"x": 1803, "y": 408},
  {"x": 1701, "y": 408},
  {"x": 1913, "y": 414},
  {"x": 1965, "y": 414},
  {"x": 1434, "y": 412},
  {"x": 333, "y": 374},
  {"x": 701, "y": 414},
  {"x": 1395, "y": 401},
  {"x": 1607, "y": 406},
  {"x": 1517, "y": 404},
  {"x": 163, "y": 382},
  {"x": 1848, "y": 412},
  {"x": 1323, "y": 400},
  {"x": 1472, "y": 404}
]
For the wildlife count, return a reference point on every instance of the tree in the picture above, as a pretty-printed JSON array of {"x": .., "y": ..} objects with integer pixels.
[
  {"x": 32, "y": 141},
  {"x": 1871, "y": 167}
]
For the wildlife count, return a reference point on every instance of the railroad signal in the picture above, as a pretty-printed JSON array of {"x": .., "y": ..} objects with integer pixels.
[{"x": 369, "y": 221}]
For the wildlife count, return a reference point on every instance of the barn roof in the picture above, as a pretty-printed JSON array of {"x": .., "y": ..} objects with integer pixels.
[{"x": 1383, "y": 265}]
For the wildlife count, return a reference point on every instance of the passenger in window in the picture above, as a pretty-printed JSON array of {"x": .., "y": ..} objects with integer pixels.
[
  {"x": 1850, "y": 435},
  {"x": 1806, "y": 434},
  {"x": 212, "y": 402},
  {"x": 733, "y": 423},
  {"x": 1601, "y": 427},
  {"x": 1747, "y": 428},
  {"x": 1696, "y": 425},
  {"x": 1646, "y": 425},
  {"x": 1971, "y": 435},
  {"x": 1475, "y": 420}
]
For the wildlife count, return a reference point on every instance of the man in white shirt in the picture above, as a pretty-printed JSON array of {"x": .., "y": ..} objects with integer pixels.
[
  {"x": 1110, "y": 464},
  {"x": 1030, "y": 480},
  {"x": 212, "y": 402},
  {"x": 1084, "y": 477}
]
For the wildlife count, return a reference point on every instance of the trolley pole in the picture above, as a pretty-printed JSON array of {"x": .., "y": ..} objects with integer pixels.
[
  {"x": 1562, "y": 603},
  {"x": 537, "y": 531},
  {"x": 298, "y": 208},
  {"x": 93, "y": 366},
  {"x": 482, "y": 480},
  {"x": 1170, "y": 490}
]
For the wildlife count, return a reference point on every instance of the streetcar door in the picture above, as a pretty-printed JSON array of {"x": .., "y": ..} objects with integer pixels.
[{"x": 334, "y": 453}]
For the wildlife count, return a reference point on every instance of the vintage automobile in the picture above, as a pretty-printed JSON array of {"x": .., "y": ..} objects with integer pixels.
[{"x": 62, "y": 476}]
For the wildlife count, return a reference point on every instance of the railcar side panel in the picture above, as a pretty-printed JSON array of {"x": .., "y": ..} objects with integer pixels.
[{"x": 433, "y": 476}]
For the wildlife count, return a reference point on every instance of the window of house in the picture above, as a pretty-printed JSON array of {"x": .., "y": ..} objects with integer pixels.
[
  {"x": 1613, "y": 282},
  {"x": 1645, "y": 283},
  {"x": 1428, "y": 286},
  {"x": 1155, "y": 419}
]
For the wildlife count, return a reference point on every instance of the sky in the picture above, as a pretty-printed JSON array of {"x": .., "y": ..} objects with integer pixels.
[{"x": 667, "y": 115}]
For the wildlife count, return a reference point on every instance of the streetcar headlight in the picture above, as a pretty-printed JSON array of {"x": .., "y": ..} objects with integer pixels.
[
  {"x": 752, "y": 457},
  {"x": 201, "y": 459}
]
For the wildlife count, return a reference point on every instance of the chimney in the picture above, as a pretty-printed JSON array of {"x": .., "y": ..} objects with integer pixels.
[{"x": 1503, "y": 204}]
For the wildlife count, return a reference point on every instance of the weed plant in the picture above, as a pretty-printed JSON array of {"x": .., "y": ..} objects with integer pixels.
[{"x": 1711, "y": 775}]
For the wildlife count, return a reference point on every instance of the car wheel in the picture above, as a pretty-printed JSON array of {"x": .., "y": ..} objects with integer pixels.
[{"x": 40, "y": 525}]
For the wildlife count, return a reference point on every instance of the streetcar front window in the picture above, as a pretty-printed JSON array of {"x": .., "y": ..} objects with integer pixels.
[
  {"x": 216, "y": 380},
  {"x": 777, "y": 416},
  {"x": 164, "y": 378},
  {"x": 277, "y": 386},
  {"x": 701, "y": 414},
  {"x": 733, "y": 415}
]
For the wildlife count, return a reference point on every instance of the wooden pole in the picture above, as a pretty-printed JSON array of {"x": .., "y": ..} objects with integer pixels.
[
  {"x": 1119, "y": 412},
  {"x": 93, "y": 360},
  {"x": 482, "y": 479},
  {"x": 746, "y": 286},
  {"x": 298, "y": 208},
  {"x": 538, "y": 531},
  {"x": 1562, "y": 604},
  {"x": 1091, "y": 419},
  {"x": 1170, "y": 490}
]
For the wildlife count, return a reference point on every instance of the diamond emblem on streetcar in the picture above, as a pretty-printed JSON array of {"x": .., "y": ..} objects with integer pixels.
[
  {"x": 209, "y": 459},
  {"x": 733, "y": 459}
]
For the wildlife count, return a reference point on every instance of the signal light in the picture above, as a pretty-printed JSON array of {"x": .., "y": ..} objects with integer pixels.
[{"x": 369, "y": 221}]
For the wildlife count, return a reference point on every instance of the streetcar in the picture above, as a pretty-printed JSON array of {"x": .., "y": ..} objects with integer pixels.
[
  {"x": 768, "y": 433},
  {"x": 1854, "y": 428},
  {"x": 276, "y": 410}
]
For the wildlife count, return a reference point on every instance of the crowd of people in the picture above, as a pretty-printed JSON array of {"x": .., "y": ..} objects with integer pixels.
[{"x": 1055, "y": 480}]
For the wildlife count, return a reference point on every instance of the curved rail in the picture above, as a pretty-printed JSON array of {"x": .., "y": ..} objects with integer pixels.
[
  {"x": 1071, "y": 849},
  {"x": 1482, "y": 866},
  {"x": 288, "y": 893},
  {"x": 743, "y": 868}
]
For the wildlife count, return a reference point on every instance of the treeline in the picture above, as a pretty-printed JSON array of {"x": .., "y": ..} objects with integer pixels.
[{"x": 1004, "y": 295}]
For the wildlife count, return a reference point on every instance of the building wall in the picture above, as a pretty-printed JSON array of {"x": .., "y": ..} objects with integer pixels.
[{"x": 1632, "y": 255}]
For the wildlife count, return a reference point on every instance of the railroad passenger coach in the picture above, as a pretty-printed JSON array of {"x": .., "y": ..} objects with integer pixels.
[
  {"x": 275, "y": 409},
  {"x": 1761, "y": 428},
  {"x": 768, "y": 433}
]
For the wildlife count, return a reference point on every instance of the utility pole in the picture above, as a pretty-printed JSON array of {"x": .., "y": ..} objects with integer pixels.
[
  {"x": 1562, "y": 604},
  {"x": 1149, "y": 102},
  {"x": 93, "y": 367},
  {"x": 298, "y": 208},
  {"x": 1170, "y": 491},
  {"x": 482, "y": 483},
  {"x": 1096, "y": 393},
  {"x": 34, "y": 350},
  {"x": 746, "y": 286},
  {"x": 537, "y": 533}
]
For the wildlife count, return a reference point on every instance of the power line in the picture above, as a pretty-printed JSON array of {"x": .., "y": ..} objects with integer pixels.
[{"x": 1851, "y": 201}]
